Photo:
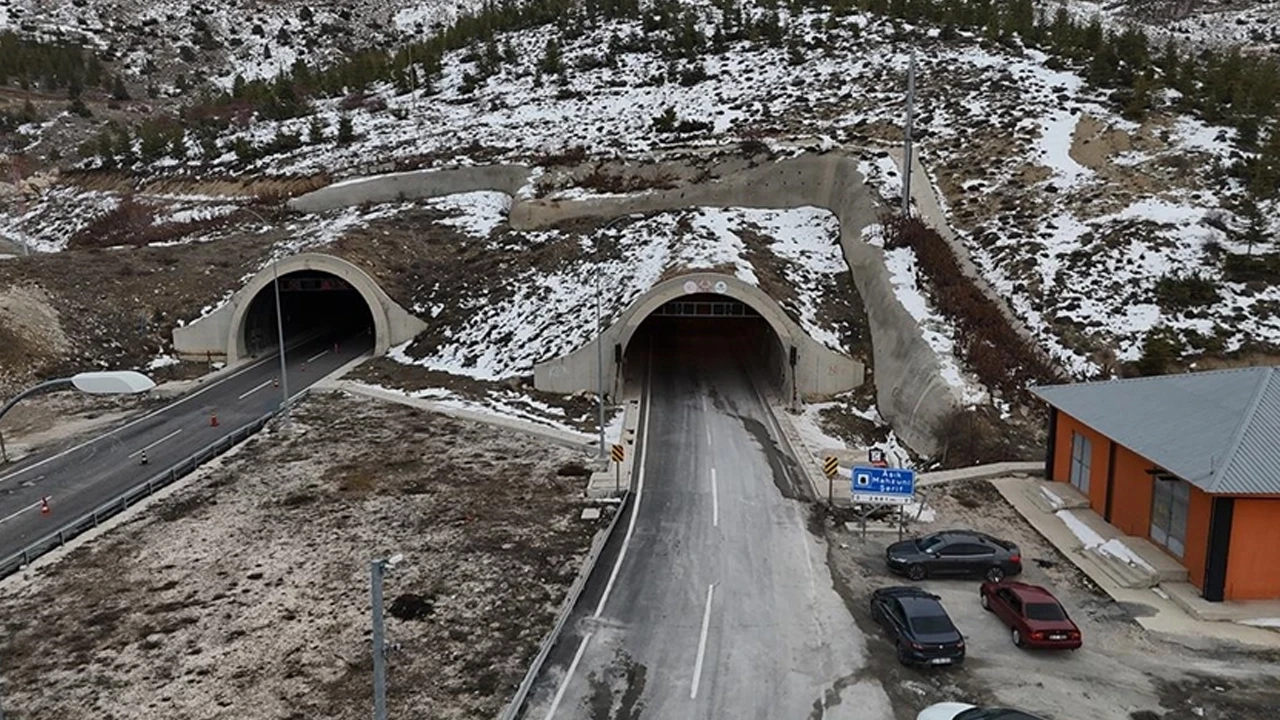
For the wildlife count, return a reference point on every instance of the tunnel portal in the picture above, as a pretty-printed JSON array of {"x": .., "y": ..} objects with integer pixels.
[
  {"x": 710, "y": 331},
  {"x": 313, "y": 303}
]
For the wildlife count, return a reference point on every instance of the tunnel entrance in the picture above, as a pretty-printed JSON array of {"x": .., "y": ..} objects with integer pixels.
[
  {"x": 712, "y": 333},
  {"x": 313, "y": 303}
]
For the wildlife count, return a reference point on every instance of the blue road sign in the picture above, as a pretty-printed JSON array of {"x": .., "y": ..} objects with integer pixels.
[{"x": 884, "y": 485}]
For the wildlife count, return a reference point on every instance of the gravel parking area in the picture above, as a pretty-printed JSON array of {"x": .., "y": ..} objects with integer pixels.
[{"x": 1122, "y": 673}]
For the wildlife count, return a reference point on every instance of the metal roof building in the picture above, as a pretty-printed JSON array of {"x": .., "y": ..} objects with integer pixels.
[{"x": 1218, "y": 430}]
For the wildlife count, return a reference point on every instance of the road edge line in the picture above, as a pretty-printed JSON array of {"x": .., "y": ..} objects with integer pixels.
[{"x": 512, "y": 710}]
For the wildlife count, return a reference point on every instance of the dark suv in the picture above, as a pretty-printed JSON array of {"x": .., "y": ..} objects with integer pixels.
[
  {"x": 916, "y": 622},
  {"x": 955, "y": 553}
]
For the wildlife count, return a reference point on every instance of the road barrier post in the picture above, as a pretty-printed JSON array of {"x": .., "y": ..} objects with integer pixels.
[{"x": 830, "y": 466}]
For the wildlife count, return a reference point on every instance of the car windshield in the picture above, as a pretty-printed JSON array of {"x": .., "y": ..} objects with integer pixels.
[
  {"x": 932, "y": 624},
  {"x": 930, "y": 541},
  {"x": 1045, "y": 611}
]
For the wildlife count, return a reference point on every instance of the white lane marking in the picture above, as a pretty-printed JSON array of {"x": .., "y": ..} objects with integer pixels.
[
  {"x": 635, "y": 509},
  {"x": 317, "y": 356},
  {"x": 715, "y": 501},
  {"x": 148, "y": 447},
  {"x": 702, "y": 643},
  {"x": 32, "y": 506},
  {"x": 148, "y": 416},
  {"x": 564, "y": 684},
  {"x": 250, "y": 392}
]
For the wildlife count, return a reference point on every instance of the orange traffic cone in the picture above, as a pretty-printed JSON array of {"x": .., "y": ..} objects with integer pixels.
[
  {"x": 44, "y": 506},
  {"x": 275, "y": 382},
  {"x": 144, "y": 457},
  {"x": 304, "y": 367},
  {"x": 213, "y": 420}
]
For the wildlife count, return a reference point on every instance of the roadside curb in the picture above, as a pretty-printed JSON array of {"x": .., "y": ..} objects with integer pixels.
[
  {"x": 563, "y": 437},
  {"x": 512, "y": 710}
]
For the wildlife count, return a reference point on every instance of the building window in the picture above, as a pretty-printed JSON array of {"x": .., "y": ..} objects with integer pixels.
[
  {"x": 1081, "y": 451},
  {"x": 1169, "y": 503}
]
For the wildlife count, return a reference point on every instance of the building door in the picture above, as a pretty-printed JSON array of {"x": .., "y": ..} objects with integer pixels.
[
  {"x": 1081, "y": 451},
  {"x": 1169, "y": 503}
]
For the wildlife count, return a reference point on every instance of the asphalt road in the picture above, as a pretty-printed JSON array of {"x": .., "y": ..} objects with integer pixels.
[
  {"x": 717, "y": 601},
  {"x": 84, "y": 476}
]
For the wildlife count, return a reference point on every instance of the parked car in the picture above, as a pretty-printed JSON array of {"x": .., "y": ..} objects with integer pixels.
[
  {"x": 954, "y": 553},
  {"x": 917, "y": 623},
  {"x": 965, "y": 711},
  {"x": 1033, "y": 614}
]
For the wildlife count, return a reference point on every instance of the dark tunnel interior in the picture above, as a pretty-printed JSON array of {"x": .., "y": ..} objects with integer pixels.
[
  {"x": 312, "y": 302},
  {"x": 713, "y": 333}
]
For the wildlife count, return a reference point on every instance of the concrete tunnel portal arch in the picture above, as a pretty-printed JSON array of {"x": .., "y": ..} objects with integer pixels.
[
  {"x": 227, "y": 332},
  {"x": 803, "y": 367}
]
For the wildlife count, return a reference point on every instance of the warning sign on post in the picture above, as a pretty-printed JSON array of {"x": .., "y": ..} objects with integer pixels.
[{"x": 619, "y": 452}]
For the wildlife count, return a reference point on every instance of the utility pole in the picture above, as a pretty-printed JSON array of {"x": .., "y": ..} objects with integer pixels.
[
  {"x": 906, "y": 149},
  {"x": 284, "y": 376}
]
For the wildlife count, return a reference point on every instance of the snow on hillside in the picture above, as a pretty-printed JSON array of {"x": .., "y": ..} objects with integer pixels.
[
  {"x": 1074, "y": 235},
  {"x": 219, "y": 39},
  {"x": 547, "y": 314},
  {"x": 1215, "y": 23}
]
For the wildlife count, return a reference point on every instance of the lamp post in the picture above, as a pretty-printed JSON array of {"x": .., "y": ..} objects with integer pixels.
[
  {"x": 100, "y": 382},
  {"x": 377, "y": 569},
  {"x": 906, "y": 147},
  {"x": 284, "y": 375},
  {"x": 600, "y": 338}
]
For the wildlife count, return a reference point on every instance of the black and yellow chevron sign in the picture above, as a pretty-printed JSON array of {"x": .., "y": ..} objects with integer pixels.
[
  {"x": 619, "y": 452},
  {"x": 830, "y": 466}
]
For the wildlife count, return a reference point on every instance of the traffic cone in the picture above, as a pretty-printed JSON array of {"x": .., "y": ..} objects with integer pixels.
[
  {"x": 304, "y": 367},
  {"x": 144, "y": 457},
  {"x": 213, "y": 419},
  {"x": 275, "y": 382},
  {"x": 44, "y": 506}
]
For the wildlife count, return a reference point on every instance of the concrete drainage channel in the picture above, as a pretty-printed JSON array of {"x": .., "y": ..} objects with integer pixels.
[{"x": 67, "y": 532}]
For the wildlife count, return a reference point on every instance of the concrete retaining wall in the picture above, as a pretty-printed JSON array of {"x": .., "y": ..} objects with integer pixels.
[
  {"x": 220, "y": 334},
  {"x": 413, "y": 185},
  {"x": 910, "y": 390},
  {"x": 819, "y": 371}
]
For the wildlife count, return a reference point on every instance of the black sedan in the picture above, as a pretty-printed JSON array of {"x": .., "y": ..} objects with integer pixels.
[
  {"x": 954, "y": 553},
  {"x": 916, "y": 622}
]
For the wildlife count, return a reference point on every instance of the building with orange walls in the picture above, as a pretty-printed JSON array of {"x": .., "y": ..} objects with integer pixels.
[{"x": 1191, "y": 462}]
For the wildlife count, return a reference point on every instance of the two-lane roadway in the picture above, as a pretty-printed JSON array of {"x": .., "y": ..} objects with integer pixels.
[
  {"x": 719, "y": 603},
  {"x": 80, "y": 478}
]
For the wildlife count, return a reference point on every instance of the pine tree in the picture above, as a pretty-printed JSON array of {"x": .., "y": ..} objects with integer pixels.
[
  {"x": 346, "y": 131},
  {"x": 551, "y": 62},
  {"x": 315, "y": 131},
  {"x": 118, "y": 90}
]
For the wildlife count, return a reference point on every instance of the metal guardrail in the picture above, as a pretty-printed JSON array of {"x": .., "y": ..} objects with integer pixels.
[{"x": 130, "y": 497}]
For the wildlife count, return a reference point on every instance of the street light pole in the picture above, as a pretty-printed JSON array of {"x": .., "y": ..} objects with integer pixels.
[
  {"x": 600, "y": 364},
  {"x": 284, "y": 371},
  {"x": 99, "y": 382},
  {"x": 379, "y": 645},
  {"x": 906, "y": 148},
  {"x": 377, "y": 569}
]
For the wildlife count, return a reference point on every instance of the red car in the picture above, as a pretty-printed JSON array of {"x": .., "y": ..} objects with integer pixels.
[{"x": 1034, "y": 614}]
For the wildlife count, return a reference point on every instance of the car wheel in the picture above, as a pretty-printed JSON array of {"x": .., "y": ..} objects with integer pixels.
[
  {"x": 995, "y": 573},
  {"x": 916, "y": 571},
  {"x": 986, "y": 604},
  {"x": 902, "y": 656},
  {"x": 1017, "y": 637}
]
